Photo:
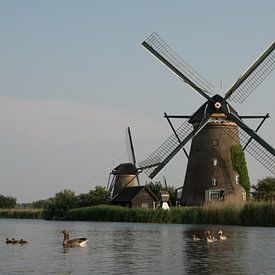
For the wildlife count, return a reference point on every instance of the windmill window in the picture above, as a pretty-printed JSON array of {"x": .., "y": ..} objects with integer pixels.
[
  {"x": 215, "y": 162},
  {"x": 214, "y": 182},
  {"x": 215, "y": 142}
]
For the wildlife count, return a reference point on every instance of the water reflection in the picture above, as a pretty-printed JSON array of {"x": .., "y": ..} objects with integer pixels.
[
  {"x": 212, "y": 258},
  {"x": 125, "y": 248}
]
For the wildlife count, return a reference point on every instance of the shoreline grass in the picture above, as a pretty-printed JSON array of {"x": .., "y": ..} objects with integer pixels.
[
  {"x": 251, "y": 214},
  {"x": 22, "y": 213}
]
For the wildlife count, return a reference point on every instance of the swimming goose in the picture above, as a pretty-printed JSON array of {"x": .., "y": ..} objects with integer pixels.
[
  {"x": 195, "y": 238},
  {"x": 221, "y": 236},
  {"x": 209, "y": 237},
  {"x": 21, "y": 241},
  {"x": 79, "y": 242}
]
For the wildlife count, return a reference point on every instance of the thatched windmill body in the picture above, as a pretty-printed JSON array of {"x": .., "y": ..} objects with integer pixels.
[
  {"x": 125, "y": 174},
  {"x": 213, "y": 129}
]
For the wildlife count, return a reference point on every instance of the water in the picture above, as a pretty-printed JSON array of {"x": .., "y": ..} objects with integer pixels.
[{"x": 130, "y": 248}]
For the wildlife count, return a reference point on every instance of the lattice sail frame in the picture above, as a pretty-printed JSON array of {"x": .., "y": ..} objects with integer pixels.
[
  {"x": 156, "y": 42},
  {"x": 253, "y": 148},
  {"x": 254, "y": 76},
  {"x": 163, "y": 151}
]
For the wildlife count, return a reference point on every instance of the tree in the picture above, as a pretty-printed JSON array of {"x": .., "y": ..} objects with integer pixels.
[
  {"x": 42, "y": 203},
  {"x": 157, "y": 187},
  {"x": 265, "y": 189},
  {"x": 61, "y": 203},
  {"x": 100, "y": 195},
  {"x": 7, "y": 201}
]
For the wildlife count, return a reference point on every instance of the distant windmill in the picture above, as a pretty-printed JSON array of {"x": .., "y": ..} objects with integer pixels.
[
  {"x": 213, "y": 129},
  {"x": 125, "y": 174}
]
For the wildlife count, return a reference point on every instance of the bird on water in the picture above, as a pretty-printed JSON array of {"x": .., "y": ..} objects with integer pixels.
[
  {"x": 221, "y": 236},
  {"x": 78, "y": 242}
]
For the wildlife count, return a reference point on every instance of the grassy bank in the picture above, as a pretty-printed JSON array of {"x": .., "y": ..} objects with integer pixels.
[
  {"x": 253, "y": 213},
  {"x": 18, "y": 213},
  {"x": 179, "y": 215}
]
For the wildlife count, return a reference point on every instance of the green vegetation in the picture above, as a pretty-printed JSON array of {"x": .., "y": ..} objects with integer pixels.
[
  {"x": 239, "y": 165},
  {"x": 265, "y": 189},
  {"x": 157, "y": 187},
  {"x": 180, "y": 215},
  {"x": 94, "y": 206},
  {"x": 19, "y": 213},
  {"x": 253, "y": 213},
  {"x": 7, "y": 201}
]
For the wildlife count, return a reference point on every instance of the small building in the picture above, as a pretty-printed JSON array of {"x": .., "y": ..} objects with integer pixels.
[
  {"x": 165, "y": 200},
  {"x": 136, "y": 196}
]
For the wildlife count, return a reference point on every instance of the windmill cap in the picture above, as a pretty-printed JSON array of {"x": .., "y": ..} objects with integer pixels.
[{"x": 126, "y": 168}]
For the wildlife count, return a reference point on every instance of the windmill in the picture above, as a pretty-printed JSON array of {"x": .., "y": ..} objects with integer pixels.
[
  {"x": 213, "y": 129},
  {"x": 125, "y": 174}
]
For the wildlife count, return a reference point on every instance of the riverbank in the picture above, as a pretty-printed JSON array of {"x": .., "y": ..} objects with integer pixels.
[
  {"x": 22, "y": 213},
  {"x": 252, "y": 214}
]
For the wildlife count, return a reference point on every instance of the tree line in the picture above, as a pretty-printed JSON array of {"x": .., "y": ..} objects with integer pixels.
[{"x": 67, "y": 199}]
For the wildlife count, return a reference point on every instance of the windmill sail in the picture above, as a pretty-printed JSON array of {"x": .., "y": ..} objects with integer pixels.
[
  {"x": 163, "y": 154},
  {"x": 162, "y": 51},
  {"x": 254, "y": 148},
  {"x": 253, "y": 77}
]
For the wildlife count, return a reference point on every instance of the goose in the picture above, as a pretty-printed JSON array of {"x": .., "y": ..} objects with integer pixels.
[
  {"x": 195, "y": 238},
  {"x": 21, "y": 241},
  {"x": 78, "y": 242},
  {"x": 209, "y": 238},
  {"x": 221, "y": 236}
]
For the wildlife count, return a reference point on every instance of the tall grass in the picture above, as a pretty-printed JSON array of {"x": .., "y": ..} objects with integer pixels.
[
  {"x": 21, "y": 213},
  {"x": 252, "y": 214},
  {"x": 258, "y": 214}
]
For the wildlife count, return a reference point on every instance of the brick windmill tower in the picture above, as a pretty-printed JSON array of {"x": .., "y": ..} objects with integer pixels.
[{"x": 214, "y": 130}]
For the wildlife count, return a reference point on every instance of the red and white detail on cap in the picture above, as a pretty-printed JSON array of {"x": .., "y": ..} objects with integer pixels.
[{"x": 218, "y": 105}]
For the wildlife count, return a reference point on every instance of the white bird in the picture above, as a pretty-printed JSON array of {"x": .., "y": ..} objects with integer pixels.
[
  {"x": 221, "y": 236},
  {"x": 209, "y": 237},
  {"x": 195, "y": 238},
  {"x": 78, "y": 242}
]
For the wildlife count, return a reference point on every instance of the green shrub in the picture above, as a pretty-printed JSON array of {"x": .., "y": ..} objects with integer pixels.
[{"x": 239, "y": 165}]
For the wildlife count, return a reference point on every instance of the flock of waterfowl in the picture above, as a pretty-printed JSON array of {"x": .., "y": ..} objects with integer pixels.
[
  {"x": 14, "y": 241},
  {"x": 210, "y": 238},
  {"x": 82, "y": 242},
  {"x": 78, "y": 242}
]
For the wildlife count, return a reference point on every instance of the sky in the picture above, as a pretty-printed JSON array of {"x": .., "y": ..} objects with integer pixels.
[{"x": 73, "y": 76}]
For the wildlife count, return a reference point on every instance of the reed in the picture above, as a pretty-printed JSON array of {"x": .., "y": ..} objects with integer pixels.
[
  {"x": 20, "y": 213},
  {"x": 252, "y": 213},
  {"x": 258, "y": 213}
]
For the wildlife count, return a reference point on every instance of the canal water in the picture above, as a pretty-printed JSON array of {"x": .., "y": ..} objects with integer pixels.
[{"x": 134, "y": 248}]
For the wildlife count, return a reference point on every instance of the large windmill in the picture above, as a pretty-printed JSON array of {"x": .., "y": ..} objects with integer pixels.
[{"x": 214, "y": 128}]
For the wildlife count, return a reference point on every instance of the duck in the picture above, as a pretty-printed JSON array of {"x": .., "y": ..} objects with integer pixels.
[
  {"x": 21, "y": 241},
  {"x": 195, "y": 238},
  {"x": 221, "y": 236},
  {"x": 8, "y": 240},
  {"x": 78, "y": 242},
  {"x": 13, "y": 241}
]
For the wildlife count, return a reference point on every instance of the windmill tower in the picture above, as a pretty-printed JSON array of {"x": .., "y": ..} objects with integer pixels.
[
  {"x": 125, "y": 174},
  {"x": 213, "y": 129}
]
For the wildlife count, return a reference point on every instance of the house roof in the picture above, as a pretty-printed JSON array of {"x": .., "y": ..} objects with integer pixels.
[{"x": 129, "y": 193}]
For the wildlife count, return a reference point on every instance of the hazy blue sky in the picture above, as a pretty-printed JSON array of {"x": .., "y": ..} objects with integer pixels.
[{"x": 73, "y": 76}]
